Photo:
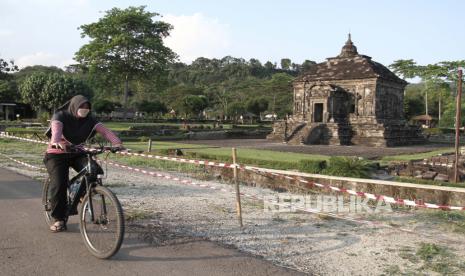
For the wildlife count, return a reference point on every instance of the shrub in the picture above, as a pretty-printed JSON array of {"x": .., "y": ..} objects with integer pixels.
[
  {"x": 349, "y": 167},
  {"x": 311, "y": 166},
  {"x": 144, "y": 138},
  {"x": 43, "y": 118},
  {"x": 432, "y": 131},
  {"x": 164, "y": 151}
]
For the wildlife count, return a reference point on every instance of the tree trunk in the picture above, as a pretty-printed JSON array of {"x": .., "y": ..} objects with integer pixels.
[
  {"x": 126, "y": 96},
  {"x": 439, "y": 115},
  {"x": 426, "y": 99}
]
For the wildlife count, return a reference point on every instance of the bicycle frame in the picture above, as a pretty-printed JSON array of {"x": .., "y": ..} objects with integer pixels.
[{"x": 84, "y": 175}]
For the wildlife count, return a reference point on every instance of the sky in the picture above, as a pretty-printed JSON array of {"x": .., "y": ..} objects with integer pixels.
[{"x": 46, "y": 32}]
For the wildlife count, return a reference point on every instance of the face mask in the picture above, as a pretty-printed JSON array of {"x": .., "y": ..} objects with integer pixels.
[{"x": 83, "y": 112}]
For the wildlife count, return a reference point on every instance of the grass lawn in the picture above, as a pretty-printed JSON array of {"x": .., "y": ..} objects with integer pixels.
[
  {"x": 266, "y": 155},
  {"x": 416, "y": 156}
]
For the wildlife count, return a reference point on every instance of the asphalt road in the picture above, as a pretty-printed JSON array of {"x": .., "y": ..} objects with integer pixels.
[{"x": 28, "y": 248}]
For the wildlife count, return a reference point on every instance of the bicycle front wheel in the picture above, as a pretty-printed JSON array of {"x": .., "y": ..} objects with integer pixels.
[
  {"x": 103, "y": 232},
  {"x": 46, "y": 202}
]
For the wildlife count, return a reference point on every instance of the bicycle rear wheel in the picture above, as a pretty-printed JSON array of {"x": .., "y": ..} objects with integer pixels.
[
  {"x": 46, "y": 202},
  {"x": 104, "y": 235}
]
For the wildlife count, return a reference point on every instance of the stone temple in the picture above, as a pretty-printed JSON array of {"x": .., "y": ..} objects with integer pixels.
[{"x": 348, "y": 100}]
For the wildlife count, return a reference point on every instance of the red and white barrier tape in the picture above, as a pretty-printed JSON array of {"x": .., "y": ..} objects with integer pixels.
[
  {"x": 388, "y": 199},
  {"x": 3, "y": 134},
  {"x": 23, "y": 163},
  {"x": 184, "y": 160}
]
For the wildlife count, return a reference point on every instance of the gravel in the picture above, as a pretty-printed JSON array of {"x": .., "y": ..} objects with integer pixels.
[{"x": 315, "y": 244}]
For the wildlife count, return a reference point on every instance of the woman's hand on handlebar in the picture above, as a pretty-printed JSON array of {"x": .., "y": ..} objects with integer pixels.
[
  {"x": 58, "y": 146},
  {"x": 117, "y": 148}
]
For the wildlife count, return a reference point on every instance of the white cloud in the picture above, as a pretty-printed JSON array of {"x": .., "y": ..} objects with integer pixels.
[
  {"x": 196, "y": 36},
  {"x": 41, "y": 58}
]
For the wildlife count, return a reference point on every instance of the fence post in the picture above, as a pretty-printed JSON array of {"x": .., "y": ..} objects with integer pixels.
[
  {"x": 236, "y": 182},
  {"x": 149, "y": 149},
  {"x": 457, "y": 126}
]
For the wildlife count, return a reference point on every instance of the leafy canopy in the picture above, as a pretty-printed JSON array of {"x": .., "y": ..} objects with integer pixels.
[
  {"x": 49, "y": 91},
  {"x": 126, "y": 42}
]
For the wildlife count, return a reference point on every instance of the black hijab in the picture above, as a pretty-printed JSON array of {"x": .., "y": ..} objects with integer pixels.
[{"x": 75, "y": 129}]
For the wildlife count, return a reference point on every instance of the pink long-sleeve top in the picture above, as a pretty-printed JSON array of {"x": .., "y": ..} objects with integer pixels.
[{"x": 57, "y": 136}]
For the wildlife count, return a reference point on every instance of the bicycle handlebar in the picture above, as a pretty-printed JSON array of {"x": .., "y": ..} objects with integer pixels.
[
  {"x": 92, "y": 151},
  {"x": 99, "y": 150}
]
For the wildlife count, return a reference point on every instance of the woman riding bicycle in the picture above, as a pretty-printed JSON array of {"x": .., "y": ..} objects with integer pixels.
[{"x": 70, "y": 127}]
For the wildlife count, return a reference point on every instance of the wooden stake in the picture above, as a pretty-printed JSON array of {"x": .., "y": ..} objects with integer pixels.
[
  {"x": 149, "y": 149},
  {"x": 236, "y": 182},
  {"x": 457, "y": 126}
]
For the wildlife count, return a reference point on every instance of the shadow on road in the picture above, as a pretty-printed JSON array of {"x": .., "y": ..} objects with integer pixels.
[{"x": 135, "y": 250}]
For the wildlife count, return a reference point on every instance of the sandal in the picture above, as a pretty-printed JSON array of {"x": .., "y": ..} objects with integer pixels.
[{"x": 58, "y": 226}]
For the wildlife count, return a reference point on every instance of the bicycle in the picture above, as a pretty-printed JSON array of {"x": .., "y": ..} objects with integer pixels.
[{"x": 100, "y": 213}]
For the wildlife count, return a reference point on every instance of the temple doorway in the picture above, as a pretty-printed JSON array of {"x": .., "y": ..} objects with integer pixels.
[{"x": 318, "y": 113}]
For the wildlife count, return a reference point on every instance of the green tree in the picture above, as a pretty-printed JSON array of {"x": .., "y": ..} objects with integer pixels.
[
  {"x": 29, "y": 70},
  {"x": 285, "y": 63},
  {"x": 307, "y": 64},
  {"x": 448, "y": 118},
  {"x": 406, "y": 68},
  {"x": 127, "y": 44},
  {"x": 257, "y": 105},
  {"x": 31, "y": 89},
  {"x": 8, "y": 88},
  {"x": 269, "y": 66},
  {"x": 49, "y": 91},
  {"x": 435, "y": 78},
  {"x": 280, "y": 90},
  {"x": 236, "y": 109},
  {"x": 414, "y": 100},
  {"x": 256, "y": 68},
  {"x": 104, "y": 106},
  {"x": 6, "y": 68},
  {"x": 193, "y": 105},
  {"x": 152, "y": 107}
]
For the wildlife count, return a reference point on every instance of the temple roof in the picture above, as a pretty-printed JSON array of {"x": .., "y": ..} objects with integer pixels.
[
  {"x": 349, "y": 49},
  {"x": 349, "y": 64}
]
